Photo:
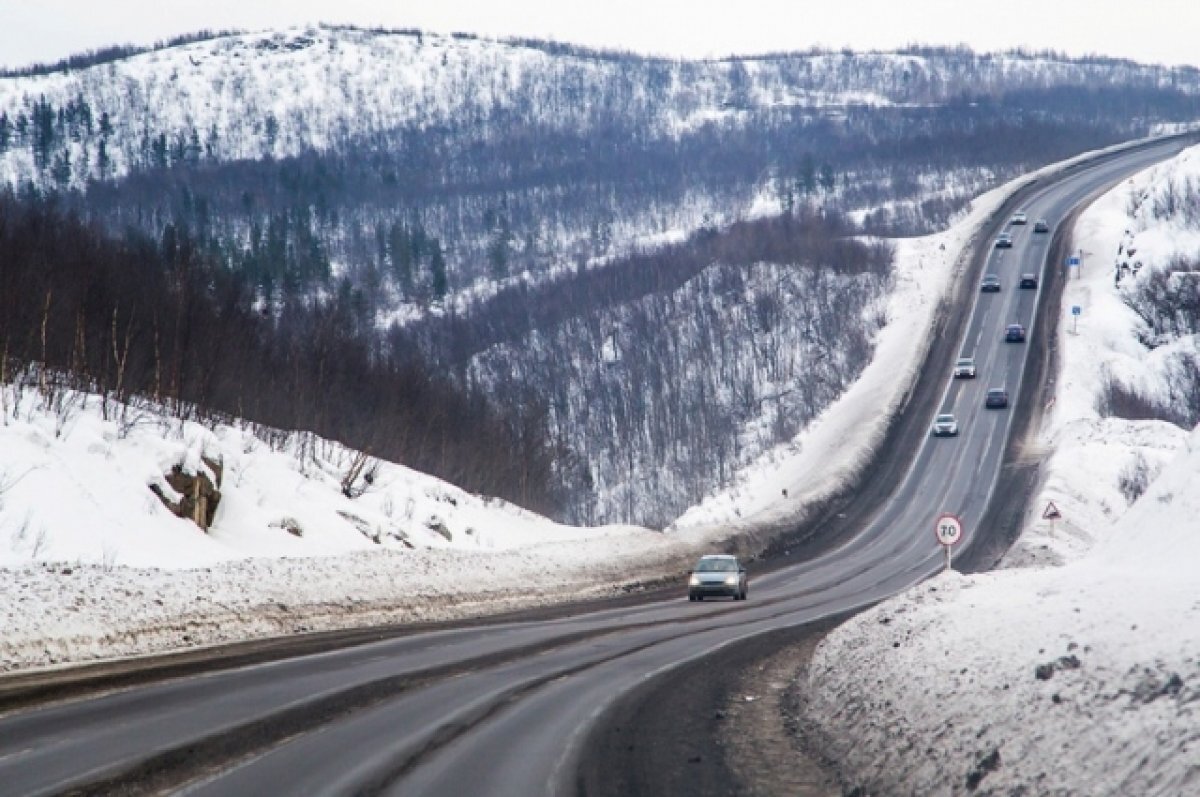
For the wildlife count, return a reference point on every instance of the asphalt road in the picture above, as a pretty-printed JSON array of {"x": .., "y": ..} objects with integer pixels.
[{"x": 507, "y": 708}]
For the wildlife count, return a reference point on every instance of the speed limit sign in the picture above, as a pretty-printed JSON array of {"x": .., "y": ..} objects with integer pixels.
[{"x": 949, "y": 529}]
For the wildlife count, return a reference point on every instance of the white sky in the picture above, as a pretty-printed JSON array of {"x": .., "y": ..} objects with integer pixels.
[{"x": 1156, "y": 31}]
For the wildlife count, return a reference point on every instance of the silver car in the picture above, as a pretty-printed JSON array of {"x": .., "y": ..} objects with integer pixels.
[
  {"x": 964, "y": 368},
  {"x": 718, "y": 574},
  {"x": 945, "y": 425}
]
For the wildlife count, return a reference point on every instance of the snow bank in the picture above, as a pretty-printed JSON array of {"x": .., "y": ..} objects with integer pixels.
[
  {"x": 1081, "y": 679},
  {"x": 94, "y": 565}
]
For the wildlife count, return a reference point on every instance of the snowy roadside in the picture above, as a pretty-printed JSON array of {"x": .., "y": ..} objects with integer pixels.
[
  {"x": 95, "y": 567},
  {"x": 1079, "y": 679}
]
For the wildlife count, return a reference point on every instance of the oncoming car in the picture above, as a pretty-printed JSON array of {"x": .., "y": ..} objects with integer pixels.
[
  {"x": 996, "y": 398},
  {"x": 718, "y": 574},
  {"x": 964, "y": 368},
  {"x": 990, "y": 284},
  {"x": 944, "y": 425},
  {"x": 1014, "y": 333},
  {"x": 1041, "y": 225},
  {"x": 1019, "y": 217},
  {"x": 1004, "y": 241}
]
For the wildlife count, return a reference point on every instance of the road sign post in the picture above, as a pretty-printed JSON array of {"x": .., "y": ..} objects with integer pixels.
[
  {"x": 1076, "y": 311},
  {"x": 949, "y": 530},
  {"x": 1075, "y": 262},
  {"x": 1052, "y": 514}
]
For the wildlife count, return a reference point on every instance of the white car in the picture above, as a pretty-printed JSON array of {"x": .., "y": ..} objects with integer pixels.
[
  {"x": 964, "y": 368},
  {"x": 1019, "y": 218},
  {"x": 945, "y": 425},
  {"x": 718, "y": 574}
]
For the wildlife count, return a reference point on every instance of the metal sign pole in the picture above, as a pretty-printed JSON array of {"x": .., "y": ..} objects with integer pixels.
[{"x": 948, "y": 529}]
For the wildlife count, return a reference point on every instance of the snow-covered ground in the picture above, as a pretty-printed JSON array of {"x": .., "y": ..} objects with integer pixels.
[{"x": 1082, "y": 678}]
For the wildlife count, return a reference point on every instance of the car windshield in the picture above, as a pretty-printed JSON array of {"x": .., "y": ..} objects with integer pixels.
[
  {"x": 716, "y": 566},
  {"x": 996, "y": 393},
  {"x": 945, "y": 419},
  {"x": 966, "y": 361}
]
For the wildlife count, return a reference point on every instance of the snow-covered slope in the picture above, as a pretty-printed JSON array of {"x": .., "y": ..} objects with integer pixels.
[
  {"x": 1080, "y": 679},
  {"x": 278, "y": 93},
  {"x": 75, "y": 487}
]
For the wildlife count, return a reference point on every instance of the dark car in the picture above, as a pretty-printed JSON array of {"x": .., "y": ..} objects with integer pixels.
[
  {"x": 996, "y": 398},
  {"x": 718, "y": 574},
  {"x": 1014, "y": 333},
  {"x": 990, "y": 284},
  {"x": 1041, "y": 225},
  {"x": 1028, "y": 281},
  {"x": 1004, "y": 241}
]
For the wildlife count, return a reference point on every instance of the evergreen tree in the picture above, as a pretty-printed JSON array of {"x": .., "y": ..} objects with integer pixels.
[{"x": 437, "y": 270}]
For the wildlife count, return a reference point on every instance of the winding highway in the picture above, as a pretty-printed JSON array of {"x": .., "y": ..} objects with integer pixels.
[{"x": 506, "y": 708}]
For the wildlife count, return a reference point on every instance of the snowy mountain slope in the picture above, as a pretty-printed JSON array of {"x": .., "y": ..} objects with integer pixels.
[
  {"x": 1079, "y": 679},
  {"x": 75, "y": 488},
  {"x": 780, "y": 340},
  {"x": 278, "y": 93}
]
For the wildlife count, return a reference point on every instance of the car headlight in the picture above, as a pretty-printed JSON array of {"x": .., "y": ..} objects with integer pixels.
[
  {"x": 694, "y": 581},
  {"x": 731, "y": 581}
]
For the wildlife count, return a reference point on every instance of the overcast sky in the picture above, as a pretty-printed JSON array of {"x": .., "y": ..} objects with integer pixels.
[{"x": 1159, "y": 31}]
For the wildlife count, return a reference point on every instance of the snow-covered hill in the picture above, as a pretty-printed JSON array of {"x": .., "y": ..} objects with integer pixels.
[
  {"x": 279, "y": 93},
  {"x": 1084, "y": 678},
  {"x": 76, "y": 488}
]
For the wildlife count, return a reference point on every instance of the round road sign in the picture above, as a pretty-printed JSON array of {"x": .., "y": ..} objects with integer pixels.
[{"x": 949, "y": 529}]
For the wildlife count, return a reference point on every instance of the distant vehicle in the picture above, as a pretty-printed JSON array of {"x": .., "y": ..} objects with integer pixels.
[
  {"x": 944, "y": 425},
  {"x": 1014, "y": 333},
  {"x": 1019, "y": 218},
  {"x": 1041, "y": 225},
  {"x": 1028, "y": 280},
  {"x": 964, "y": 368},
  {"x": 996, "y": 398},
  {"x": 1004, "y": 241},
  {"x": 718, "y": 574},
  {"x": 990, "y": 284}
]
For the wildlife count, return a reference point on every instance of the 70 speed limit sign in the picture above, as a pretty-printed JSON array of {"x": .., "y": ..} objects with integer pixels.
[{"x": 949, "y": 529}]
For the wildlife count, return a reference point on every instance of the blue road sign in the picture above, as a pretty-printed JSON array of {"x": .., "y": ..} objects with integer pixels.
[
  {"x": 1073, "y": 260},
  {"x": 1076, "y": 310}
]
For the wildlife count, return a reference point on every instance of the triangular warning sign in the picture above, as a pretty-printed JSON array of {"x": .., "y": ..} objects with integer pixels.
[{"x": 1051, "y": 512}]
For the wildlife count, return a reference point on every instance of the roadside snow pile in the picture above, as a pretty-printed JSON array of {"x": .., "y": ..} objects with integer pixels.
[
  {"x": 77, "y": 488},
  {"x": 94, "y": 565},
  {"x": 1081, "y": 679},
  {"x": 1100, "y": 463}
]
